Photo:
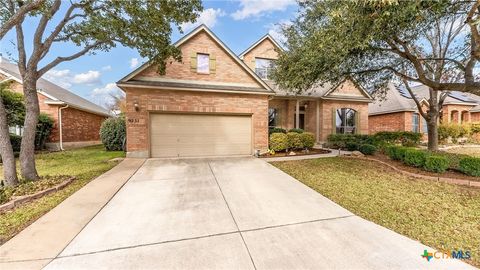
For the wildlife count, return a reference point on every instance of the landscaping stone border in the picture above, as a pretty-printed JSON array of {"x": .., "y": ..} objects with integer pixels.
[
  {"x": 28, "y": 198},
  {"x": 454, "y": 181}
]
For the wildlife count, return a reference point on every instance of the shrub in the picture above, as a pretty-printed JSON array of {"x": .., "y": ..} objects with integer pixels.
[
  {"x": 276, "y": 130},
  {"x": 16, "y": 141},
  {"x": 294, "y": 140},
  {"x": 113, "y": 134},
  {"x": 296, "y": 130},
  {"x": 470, "y": 166},
  {"x": 278, "y": 141},
  {"x": 397, "y": 152},
  {"x": 406, "y": 138},
  {"x": 341, "y": 140},
  {"x": 438, "y": 164},
  {"x": 400, "y": 153},
  {"x": 44, "y": 127},
  {"x": 308, "y": 139},
  {"x": 367, "y": 149},
  {"x": 351, "y": 146},
  {"x": 453, "y": 131},
  {"x": 14, "y": 105},
  {"x": 415, "y": 158},
  {"x": 390, "y": 151}
]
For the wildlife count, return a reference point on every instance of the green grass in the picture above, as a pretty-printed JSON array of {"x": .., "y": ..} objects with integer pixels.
[
  {"x": 470, "y": 151},
  {"x": 440, "y": 215},
  {"x": 85, "y": 164}
]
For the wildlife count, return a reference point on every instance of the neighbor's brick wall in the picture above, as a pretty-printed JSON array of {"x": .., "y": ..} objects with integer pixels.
[
  {"x": 81, "y": 126},
  {"x": 227, "y": 70},
  {"x": 449, "y": 108},
  {"x": 326, "y": 114},
  {"x": 154, "y": 100},
  {"x": 387, "y": 122},
  {"x": 475, "y": 117},
  {"x": 266, "y": 49}
]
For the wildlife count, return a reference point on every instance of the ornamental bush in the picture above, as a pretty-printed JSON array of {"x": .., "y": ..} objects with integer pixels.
[
  {"x": 113, "y": 134},
  {"x": 470, "y": 166},
  {"x": 406, "y": 138},
  {"x": 44, "y": 128},
  {"x": 16, "y": 141},
  {"x": 296, "y": 130},
  {"x": 308, "y": 139},
  {"x": 351, "y": 146},
  {"x": 434, "y": 163},
  {"x": 278, "y": 141},
  {"x": 367, "y": 149},
  {"x": 294, "y": 140},
  {"x": 276, "y": 130},
  {"x": 415, "y": 158}
]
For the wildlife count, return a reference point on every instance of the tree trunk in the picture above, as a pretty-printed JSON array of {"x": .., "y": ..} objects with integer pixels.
[
  {"x": 432, "y": 120},
  {"x": 432, "y": 135},
  {"x": 27, "y": 151},
  {"x": 6, "y": 150}
]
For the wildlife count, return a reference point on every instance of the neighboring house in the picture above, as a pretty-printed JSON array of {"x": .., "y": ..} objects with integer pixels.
[
  {"x": 397, "y": 111},
  {"x": 215, "y": 103},
  {"x": 77, "y": 121}
]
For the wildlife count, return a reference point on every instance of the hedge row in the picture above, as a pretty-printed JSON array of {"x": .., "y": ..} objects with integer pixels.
[
  {"x": 352, "y": 142},
  {"x": 291, "y": 140},
  {"x": 432, "y": 162}
]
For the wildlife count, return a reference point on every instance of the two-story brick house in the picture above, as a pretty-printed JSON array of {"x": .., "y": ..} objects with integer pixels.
[
  {"x": 215, "y": 103},
  {"x": 77, "y": 121},
  {"x": 397, "y": 111}
]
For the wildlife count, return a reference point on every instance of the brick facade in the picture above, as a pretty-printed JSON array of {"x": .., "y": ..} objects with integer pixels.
[
  {"x": 456, "y": 113},
  {"x": 78, "y": 126},
  {"x": 475, "y": 117},
  {"x": 154, "y": 100},
  {"x": 265, "y": 49}
]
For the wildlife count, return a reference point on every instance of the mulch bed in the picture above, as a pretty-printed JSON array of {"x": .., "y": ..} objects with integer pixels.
[
  {"x": 312, "y": 151},
  {"x": 448, "y": 174}
]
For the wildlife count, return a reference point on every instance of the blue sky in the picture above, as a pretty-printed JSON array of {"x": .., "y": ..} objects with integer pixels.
[{"x": 238, "y": 23}]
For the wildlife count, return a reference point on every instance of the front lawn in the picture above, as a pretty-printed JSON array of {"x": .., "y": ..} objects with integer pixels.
[
  {"x": 443, "y": 216},
  {"x": 470, "y": 151},
  {"x": 85, "y": 164}
]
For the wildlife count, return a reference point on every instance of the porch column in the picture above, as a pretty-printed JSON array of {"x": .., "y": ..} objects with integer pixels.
[
  {"x": 317, "y": 121},
  {"x": 297, "y": 114}
]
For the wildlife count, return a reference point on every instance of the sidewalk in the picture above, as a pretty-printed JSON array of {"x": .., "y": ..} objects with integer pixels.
[{"x": 38, "y": 244}]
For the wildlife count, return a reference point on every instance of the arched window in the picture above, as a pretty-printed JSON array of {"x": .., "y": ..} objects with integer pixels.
[{"x": 346, "y": 121}]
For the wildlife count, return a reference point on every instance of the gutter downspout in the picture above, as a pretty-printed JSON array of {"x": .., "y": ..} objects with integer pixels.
[{"x": 60, "y": 126}]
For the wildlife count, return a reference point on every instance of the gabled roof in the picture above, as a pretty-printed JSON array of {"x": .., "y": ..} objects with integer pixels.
[
  {"x": 267, "y": 36},
  {"x": 125, "y": 80},
  {"x": 55, "y": 93}
]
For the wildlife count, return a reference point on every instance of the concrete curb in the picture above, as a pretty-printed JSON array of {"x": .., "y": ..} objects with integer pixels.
[
  {"x": 28, "y": 198},
  {"x": 461, "y": 182}
]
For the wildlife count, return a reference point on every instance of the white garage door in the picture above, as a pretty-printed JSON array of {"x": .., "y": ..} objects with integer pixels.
[{"x": 192, "y": 135}]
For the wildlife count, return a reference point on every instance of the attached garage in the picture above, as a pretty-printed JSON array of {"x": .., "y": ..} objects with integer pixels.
[{"x": 195, "y": 135}]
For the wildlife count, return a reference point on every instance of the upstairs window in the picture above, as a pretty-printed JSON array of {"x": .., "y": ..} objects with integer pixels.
[
  {"x": 203, "y": 63},
  {"x": 264, "y": 67}
]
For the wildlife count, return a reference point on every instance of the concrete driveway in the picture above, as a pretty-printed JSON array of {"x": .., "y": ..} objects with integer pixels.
[{"x": 235, "y": 213}]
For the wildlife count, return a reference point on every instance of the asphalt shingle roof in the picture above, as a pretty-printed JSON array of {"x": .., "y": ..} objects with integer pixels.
[{"x": 56, "y": 91}]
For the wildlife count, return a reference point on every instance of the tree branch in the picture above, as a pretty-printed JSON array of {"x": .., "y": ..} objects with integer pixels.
[
  {"x": 419, "y": 105},
  {"x": 61, "y": 59},
  {"x": 19, "y": 16}
]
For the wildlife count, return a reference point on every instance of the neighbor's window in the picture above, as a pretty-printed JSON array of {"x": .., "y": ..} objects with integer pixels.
[
  {"x": 345, "y": 121},
  {"x": 272, "y": 117},
  {"x": 416, "y": 122},
  {"x": 203, "y": 63},
  {"x": 264, "y": 67}
]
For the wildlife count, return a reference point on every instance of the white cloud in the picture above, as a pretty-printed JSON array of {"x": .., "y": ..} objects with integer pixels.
[
  {"x": 66, "y": 78},
  {"x": 257, "y": 8},
  {"x": 134, "y": 62},
  {"x": 89, "y": 77},
  {"x": 105, "y": 96},
  {"x": 107, "y": 68},
  {"x": 61, "y": 77},
  {"x": 275, "y": 30},
  {"x": 208, "y": 17}
]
